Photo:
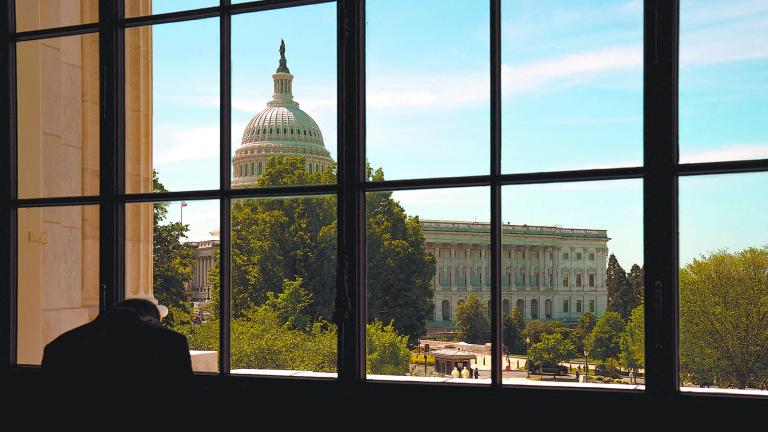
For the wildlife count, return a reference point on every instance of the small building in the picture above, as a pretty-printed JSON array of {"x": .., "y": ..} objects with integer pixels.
[{"x": 449, "y": 357}]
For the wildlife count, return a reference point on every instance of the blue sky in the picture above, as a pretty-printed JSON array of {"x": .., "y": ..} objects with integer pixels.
[{"x": 572, "y": 99}]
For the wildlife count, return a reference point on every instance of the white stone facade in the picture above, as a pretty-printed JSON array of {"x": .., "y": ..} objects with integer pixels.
[{"x": 551, "y": 273}]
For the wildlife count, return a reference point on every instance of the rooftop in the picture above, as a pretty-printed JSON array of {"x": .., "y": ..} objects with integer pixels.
[{"x": 485, "y": 227}]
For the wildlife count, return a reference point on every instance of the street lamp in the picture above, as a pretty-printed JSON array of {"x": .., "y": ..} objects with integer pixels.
[
  {"x": 527, "y": 369},
  {"x": 426, "y": 350},
  {"x": 586, "y": 365}
]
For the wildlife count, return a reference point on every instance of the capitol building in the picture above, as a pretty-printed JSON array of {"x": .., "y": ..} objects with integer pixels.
[{"x": 548, "y": 272}]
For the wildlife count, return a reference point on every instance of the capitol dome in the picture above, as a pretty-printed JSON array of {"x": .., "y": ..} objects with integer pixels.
[{"x": 281, "y": 129}]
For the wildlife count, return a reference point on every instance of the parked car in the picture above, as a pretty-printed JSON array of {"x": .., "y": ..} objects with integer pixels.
[
  {"x": 547, "y": 368},
  {"x": 604, "y": 370}
]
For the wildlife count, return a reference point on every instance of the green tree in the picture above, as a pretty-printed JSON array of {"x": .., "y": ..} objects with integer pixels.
[
  {"x": 172, "y": 263},
  {"x": 472, "y": 320},
  {"x": 399, "y": 270},
  {"x": 582, "y": 330},
  {"x": 621, "y": 298},
  {"x": 724, "y": 318},
  {"x": 513, "y": 331},
  {"x": 603, "y": 342},
  {"x": 632, "y": 341},
  {"x": 387, "y": 351},
  {"x": 283, "y": 239},
  {"x": 534, "y": 329},
  {"x": 553, "y": 348}
]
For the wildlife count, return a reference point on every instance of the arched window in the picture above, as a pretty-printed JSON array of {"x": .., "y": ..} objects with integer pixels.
[
  {"x": 253, "y": 170},
  {"x": 270, "y": 130},
  {"x": 305, "y": 132},
  {"x": 277, "y": 131},
  {"x": 446, "y": 309},
  {"x": 548, "y": 308},
  {"x": 310, "y": 168},
  {"x": 291, "y": 131},
  {"x": 285, "y": 131},
  {"x": 261, "y": 167},
  {"x": 505, "y": 307},
  {"x": 534, "y": 309},
  {"x": 521, "y": 306}
]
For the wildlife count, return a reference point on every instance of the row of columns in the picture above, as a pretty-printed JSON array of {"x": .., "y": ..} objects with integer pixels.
[
  {"x": 200, "y": 273},
  {"x": 548, "y": 264},
  {"x": 446, "y": 309}
]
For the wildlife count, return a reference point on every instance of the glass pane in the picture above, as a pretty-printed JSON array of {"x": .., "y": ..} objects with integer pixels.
[
  {"x": 724, "y": 283},
  {"x": 428, "y": 285},
  {"x": 172, "y": 106},
  {"x": 43, "y": 14},
  {"x": 572, "y": 84},
  {"x": 58, "y": 116},
  {"x": 572, "y": 281},
  {"x": 428, "y": 86},
  {"x": 723, "y": 80},
  {"x": 58, "y": 265},
  {"x": 281, "y": 58},
  {"x": 134, "y": 8},
  {"x": 284, "y": 285},
  {"x": 171, "y": 259}
]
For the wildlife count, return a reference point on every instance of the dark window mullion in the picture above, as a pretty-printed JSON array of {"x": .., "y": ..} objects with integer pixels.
[
  {"x": 496, "y": 303},
  {"x": 349, "y": 314},
  {"x": 111, "y": 73},
  {"x": 660, "y": 196},
  {"x": 225, "y": 156},
  {"x": 8, "y": 191}
]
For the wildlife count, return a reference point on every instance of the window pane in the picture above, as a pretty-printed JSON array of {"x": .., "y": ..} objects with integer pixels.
[
  {"x": 723, "y": 80},
  {"x": 723, "y": 282},
  {"x": 58, "y": 279},
  {"x": 428, "y": 284},
  {"x": 284, "y": 95},
  {"x": 547, "y": 230},
  {"x": 284, "y": 285},
  {"x": 43, "y": 14},
  {"x": 428, "y": 86},
  {"x": 172, "y": 106},
  {"x": 171, "y": 259},
  {"x": 572, "y": 84},
  {"x": 135, "y": 8},
  {"x": 58, "y": 116}
]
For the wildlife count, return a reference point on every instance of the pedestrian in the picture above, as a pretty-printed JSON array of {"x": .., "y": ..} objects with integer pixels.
[
  {"x": 577, "y": 375},
  {"x": 477, "y": 373}
]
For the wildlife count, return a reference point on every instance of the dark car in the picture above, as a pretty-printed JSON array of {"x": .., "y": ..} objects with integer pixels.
[
  {"x": 547, "y": 368},
  {"x": 604, "y": 370}
]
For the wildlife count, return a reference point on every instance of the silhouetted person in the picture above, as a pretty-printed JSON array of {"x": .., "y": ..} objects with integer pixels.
[{"x": 124, "y": 350}]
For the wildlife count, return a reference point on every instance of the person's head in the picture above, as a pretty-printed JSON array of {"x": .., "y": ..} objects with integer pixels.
[{"x": 145, "y": 310}]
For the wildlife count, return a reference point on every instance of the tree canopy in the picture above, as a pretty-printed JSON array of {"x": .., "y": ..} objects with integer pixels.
[
  {"x": 513, "y": 331},
  {"x": 625, "y": 290},
  {"x": 472, "y": 320},
  {"x": 632, "y": 341},
  {"x": 603, "y": 342},
  {"x": 172, "y": 262},
  {"x": 553, "y": 348},
  {"x": 582, "y": 330},
  {"x": 724, "y": 319},
  {"x": 278, "y": 239}
]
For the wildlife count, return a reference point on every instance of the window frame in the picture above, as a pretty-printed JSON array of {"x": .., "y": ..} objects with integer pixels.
[{"x": 659, "y": 172}]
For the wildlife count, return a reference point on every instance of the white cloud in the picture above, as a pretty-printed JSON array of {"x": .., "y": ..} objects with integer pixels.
[
  {"x": 727, "y": 153},
  {"x": 176, "y": 143},
  {"x": 570, "y": 67}
]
